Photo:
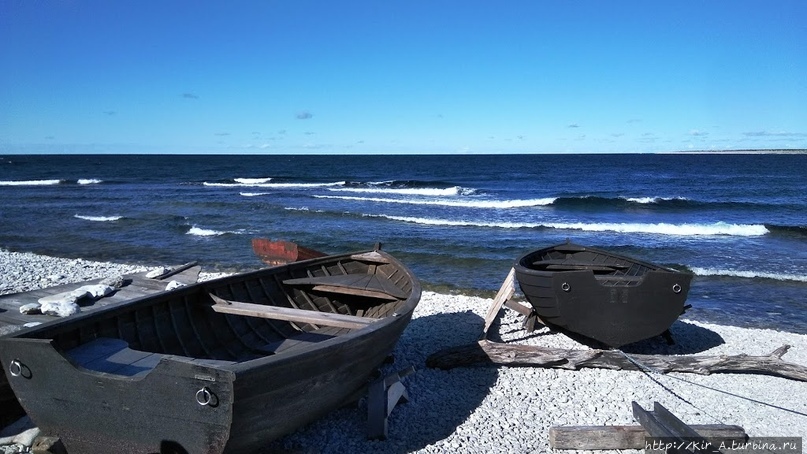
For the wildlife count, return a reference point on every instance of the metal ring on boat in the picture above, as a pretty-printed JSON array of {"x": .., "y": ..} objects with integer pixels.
[
  {"x": 15, "y": 368},
  {"x": 565, "y": 287},
  {"x": 204, "y": 396},
  {"x": 676, "y": 288}
]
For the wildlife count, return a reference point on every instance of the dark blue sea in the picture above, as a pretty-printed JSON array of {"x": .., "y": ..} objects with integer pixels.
[{"x": 738, "y": 222}]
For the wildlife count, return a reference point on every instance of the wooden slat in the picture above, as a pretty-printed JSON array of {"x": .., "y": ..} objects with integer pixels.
[
  {"x": 507, "y": 290},
  {"x": 369, "y": 285},
  {"x": 541, "y": 263},
  {"x": 288, "y": 314},
  {"x": 629, "y": 437}
]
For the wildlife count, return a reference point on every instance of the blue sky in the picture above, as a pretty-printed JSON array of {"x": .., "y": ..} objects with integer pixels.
[{"x": 402, "y": 76}]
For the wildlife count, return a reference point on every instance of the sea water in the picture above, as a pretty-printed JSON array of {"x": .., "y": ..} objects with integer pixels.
[{"x": 737, "y": 221}]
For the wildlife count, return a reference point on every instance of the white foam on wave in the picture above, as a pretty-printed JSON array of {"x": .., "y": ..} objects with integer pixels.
[
  {"x": 649, "y": 200},
  {"x": 718, "y": 228},
  {"x": 715, "y": 229},
  {"x": 249, "y": 181},
  {"x": 89, "y": 181},
  {"x": 433, "y": 192},
  {"x": 254, "y": 194},
  {"x": 449, "y": 203},
  {"x": 30, "y": 183},
  {"x": 198, "y": 231},
  {"x": 748, "y": 274},
  {"x": 454, "y": 223},
  {"x": 98, "y": 218},
  {"x": 303, "y": 209},
  {"x": 275, "y": 185}
]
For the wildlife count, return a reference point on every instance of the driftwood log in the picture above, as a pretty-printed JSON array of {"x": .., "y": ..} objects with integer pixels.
[{"x": 486, "y": 352}]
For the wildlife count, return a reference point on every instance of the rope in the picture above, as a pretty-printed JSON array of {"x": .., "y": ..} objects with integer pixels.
[{"x": 645, "y": 368}]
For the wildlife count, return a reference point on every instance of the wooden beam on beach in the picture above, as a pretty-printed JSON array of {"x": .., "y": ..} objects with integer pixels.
[
  {"x": 485, "y": 352},
  {"x": 631, "y": 437}
]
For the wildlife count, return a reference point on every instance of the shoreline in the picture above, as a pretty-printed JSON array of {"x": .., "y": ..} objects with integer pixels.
[{"x": 510, "y": 409}]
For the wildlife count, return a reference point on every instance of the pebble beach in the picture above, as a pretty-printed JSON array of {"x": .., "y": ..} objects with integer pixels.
[{"x": 511, "y": 409}]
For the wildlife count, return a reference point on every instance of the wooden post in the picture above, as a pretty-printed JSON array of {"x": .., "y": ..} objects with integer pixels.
[{"x": 382, "y": 397}]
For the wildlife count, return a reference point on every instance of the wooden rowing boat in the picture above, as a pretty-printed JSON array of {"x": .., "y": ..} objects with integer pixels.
[
  {"x": 220, "y": 366},
  {"x": 607, "y": 297}
]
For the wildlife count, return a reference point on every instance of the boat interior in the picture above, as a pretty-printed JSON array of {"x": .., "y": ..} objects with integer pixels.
[{"x": 237, "y": 319}]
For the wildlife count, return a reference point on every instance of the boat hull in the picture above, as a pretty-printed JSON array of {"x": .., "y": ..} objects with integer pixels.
[
  {"x": 616, "y": 301},
  {"x": 205, "y": 382}
]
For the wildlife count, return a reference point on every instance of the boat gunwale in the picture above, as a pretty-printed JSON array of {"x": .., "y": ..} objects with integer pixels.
[{"x": 522, "y": 267}]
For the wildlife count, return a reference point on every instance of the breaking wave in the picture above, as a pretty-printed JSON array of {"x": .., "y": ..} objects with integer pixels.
[
  {"x": 237, "y": 184},
  {"x": 30, "y": 183},
  {"x": 198, "y": 231},
  {"x": 432, "y": 192},
  {"x": 748, "y": 274},
  {"x": 98, "y": 218},
  {"x": 716, "y": 229},
  {"x": 449, "y": 203}
]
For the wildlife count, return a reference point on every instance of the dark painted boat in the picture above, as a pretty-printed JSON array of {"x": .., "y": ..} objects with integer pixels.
[
  {"x": 603, "y": 296},
  {"x": 220, "y": 366}
]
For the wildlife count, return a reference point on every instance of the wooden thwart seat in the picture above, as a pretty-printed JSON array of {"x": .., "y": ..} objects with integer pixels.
[
  {"x": 113, "y": 356},
  {"x": 570, "y": 265},
  {"x": 289, "y": 314},
  {"x": 368, "y": 285}
]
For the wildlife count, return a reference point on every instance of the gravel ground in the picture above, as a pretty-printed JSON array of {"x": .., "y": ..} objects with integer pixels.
[{"x": 510, "y": 409}]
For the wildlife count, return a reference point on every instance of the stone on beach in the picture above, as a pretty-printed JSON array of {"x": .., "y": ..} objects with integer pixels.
[
  {"x": 157, "y": 272},
  {"x": 93, "y": 291},
  {"x": 117, "y": 281},
  {"x": 31, "y": 309},
  {"x": 22, "y": 432},
  {"x": 60, "y": 308},
  {"x": 174, "y": 284}
]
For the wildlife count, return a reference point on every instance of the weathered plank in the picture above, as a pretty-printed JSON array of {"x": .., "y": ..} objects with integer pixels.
[
  {"x": 578, "y": 264},
  {"x": 630, "y": 437},
  {"x": 507, "y": 290},
  {"x": 369, "y": 285},
  {"x": 661, "y": 424},
  {"x": 288, "y": 314}
]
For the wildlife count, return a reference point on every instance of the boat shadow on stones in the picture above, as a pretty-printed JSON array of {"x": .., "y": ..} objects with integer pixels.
[
  {"x": 439, "y": 400},
  {"x": 687, "y": 339}
]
